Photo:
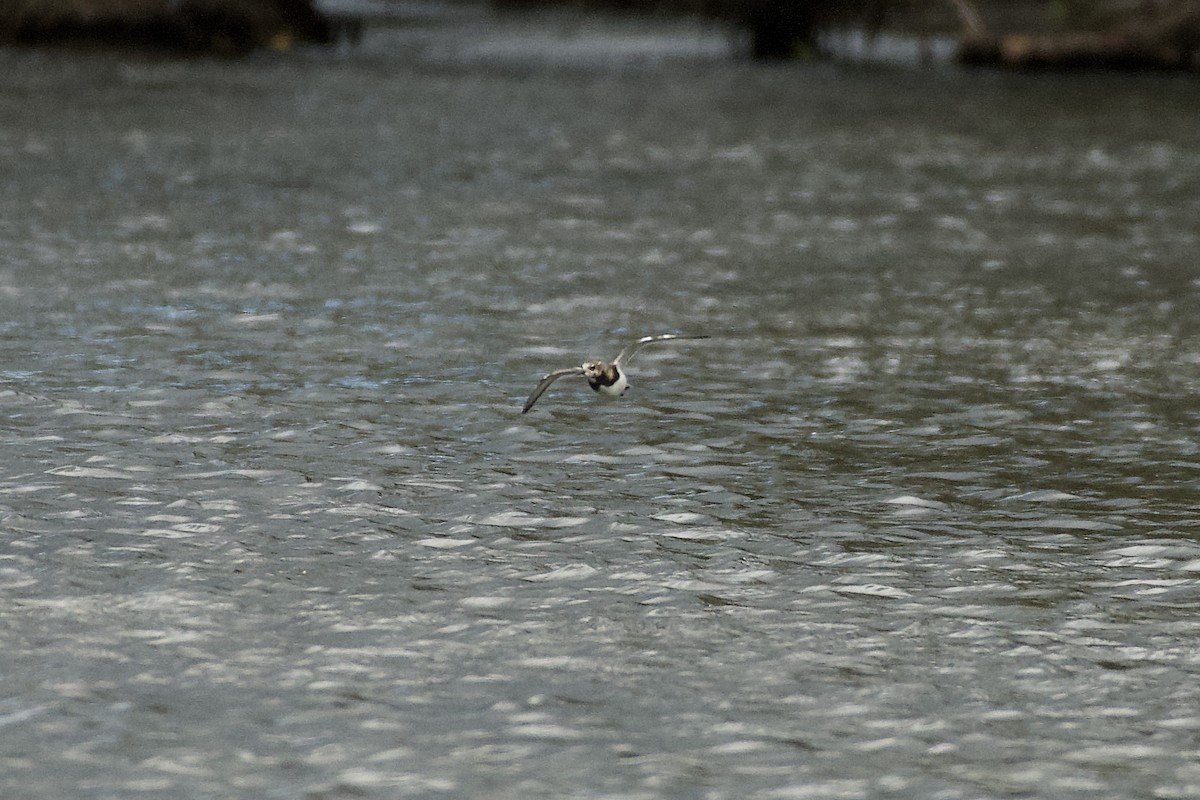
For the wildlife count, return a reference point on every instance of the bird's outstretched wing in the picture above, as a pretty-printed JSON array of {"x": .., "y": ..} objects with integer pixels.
[
  {"x": 545, "y": 382},
  {"x": 628, "y": 352}
]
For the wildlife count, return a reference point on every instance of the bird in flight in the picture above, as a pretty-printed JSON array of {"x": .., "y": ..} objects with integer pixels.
[{"x": 602, "y": 376}]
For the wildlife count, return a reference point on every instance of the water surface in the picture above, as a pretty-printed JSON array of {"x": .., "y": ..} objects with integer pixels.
[{"x": 918, "y": 521}]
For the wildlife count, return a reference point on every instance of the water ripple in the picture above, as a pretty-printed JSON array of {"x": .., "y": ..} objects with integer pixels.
[{"x": 918, "y": 519}]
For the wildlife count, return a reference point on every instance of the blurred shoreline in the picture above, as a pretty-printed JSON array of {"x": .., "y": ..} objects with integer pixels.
[{"x": 1025, "y": 34}]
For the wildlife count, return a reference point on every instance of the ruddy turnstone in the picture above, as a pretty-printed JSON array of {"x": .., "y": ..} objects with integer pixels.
[{"x": 601, "y": 375}]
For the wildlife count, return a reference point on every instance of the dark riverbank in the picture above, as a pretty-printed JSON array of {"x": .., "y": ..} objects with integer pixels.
[
  {"x": 217, "y": 26},
  {"x": 1024, "y": 34}
]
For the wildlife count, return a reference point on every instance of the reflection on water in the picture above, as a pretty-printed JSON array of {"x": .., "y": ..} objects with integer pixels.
[{"x": 919, "y": 519}]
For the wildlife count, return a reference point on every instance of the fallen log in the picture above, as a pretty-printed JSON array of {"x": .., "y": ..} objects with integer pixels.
[
  {"x": 1074, "y": 51},
  {"x": 1159, "y": 41}
]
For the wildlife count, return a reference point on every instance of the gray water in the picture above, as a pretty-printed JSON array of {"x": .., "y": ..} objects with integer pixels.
[{"x": 918, "y": 521}]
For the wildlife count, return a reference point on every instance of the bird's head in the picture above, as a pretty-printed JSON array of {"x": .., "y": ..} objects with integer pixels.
[{"x": 594, "y": 369}]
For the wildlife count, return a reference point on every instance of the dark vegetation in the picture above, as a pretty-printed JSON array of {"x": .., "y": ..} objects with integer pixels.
[{"x": 211, "y": 26}]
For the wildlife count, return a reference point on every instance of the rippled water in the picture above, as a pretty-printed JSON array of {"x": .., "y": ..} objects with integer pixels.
[{"x": 918, "y": 521}]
